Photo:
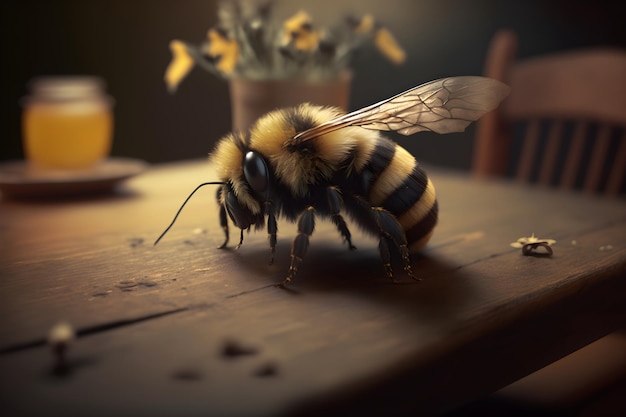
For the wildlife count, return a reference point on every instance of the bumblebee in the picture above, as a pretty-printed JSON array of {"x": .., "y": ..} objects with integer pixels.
[{"x": 310, "y": 162}]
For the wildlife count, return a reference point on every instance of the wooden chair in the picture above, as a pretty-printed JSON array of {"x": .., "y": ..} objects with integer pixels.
[
  {"x": 570, "y": 109},
  {"x": 573, "y": 107}
]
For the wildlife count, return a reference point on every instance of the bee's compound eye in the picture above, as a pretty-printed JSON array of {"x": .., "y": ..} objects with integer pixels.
[{"x": 256, "y": 172}]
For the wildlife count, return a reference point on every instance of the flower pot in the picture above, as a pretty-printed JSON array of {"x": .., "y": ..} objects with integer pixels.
[{"x": 251, "y": 99}]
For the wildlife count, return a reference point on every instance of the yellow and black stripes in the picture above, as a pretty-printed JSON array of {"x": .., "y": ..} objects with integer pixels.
[
  {"x": 379, "y": 160},
  {"x": 357, "y": 161},
  {"x": 394, "y": 181}
]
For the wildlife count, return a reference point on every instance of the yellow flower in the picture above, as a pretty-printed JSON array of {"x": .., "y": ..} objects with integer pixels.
[
  {"x": 298, "y": 31},
  {"x": 180, "y": 65},
  {"x": 388, "y": 46},
  {"x": 222, "y": 49}
]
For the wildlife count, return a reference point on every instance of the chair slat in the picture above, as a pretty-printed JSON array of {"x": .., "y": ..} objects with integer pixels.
[
  {"x": 618, "y": 171},
  {"x": 584, "y": 88},
  {"x": 551, "y": 153},
  {"x": 529, "y": 150},
  {"x": 574, "y": 155},
  {"x": 598, "y": 159}
]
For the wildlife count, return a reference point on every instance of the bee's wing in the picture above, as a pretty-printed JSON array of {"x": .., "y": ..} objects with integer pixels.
[{"x": 443, "y": 106}]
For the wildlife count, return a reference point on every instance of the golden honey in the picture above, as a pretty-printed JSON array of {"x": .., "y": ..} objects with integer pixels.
[{"x": 67, "y": 123}]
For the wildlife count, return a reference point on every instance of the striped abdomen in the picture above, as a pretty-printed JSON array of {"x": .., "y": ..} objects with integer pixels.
[{"x": 395, "y": 181}]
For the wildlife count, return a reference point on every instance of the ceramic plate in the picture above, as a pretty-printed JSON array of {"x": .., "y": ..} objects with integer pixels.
[{"x": 18, "y": 179}]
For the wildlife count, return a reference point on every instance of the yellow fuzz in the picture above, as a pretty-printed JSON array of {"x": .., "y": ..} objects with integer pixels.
[
  {"x": 228, "y": 160},
  {"x": 297, "y": 169}
]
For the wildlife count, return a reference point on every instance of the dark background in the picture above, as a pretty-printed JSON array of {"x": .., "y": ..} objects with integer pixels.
[{"x": 126, "y": 43}]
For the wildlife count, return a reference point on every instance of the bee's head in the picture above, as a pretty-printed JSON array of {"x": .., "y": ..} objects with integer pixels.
[
  {"x": 246, "y": 177},
  {"x": 245, "y": 183},
  {"x": 244, "y": 197}
]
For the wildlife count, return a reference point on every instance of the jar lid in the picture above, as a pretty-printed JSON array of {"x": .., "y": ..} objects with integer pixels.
[
  {"x": 67, "y": 86},
  {"x": 62, "y": 88}
]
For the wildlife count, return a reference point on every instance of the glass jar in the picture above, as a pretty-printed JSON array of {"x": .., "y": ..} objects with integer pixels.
[{"x": 67, "y": 122}]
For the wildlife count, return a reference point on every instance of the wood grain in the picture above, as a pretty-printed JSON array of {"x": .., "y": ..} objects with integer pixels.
[{"x": 153, "y": 321}]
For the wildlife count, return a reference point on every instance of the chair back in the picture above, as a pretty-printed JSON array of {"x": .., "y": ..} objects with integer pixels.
[{"x": 564, "y": 122}]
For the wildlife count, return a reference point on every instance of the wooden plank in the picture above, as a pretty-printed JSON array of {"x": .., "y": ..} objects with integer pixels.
[
  {"x": 342, "y": 324},
  {"x": 336, "y": 337},
  {"x": 544, "y": 86},
  {"x": 91, "y": 271}
]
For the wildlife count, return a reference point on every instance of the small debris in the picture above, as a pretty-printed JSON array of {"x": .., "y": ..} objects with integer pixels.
[
  {"x": 101, "y": 294},
  {"x": 131, "y": 285},
  {"x": 135, "y": 242},
  {"x": 232, "y": 349},
  {"x": 59, "y": 339},
  {"x": 187, "y": 374},
  {"x": 606, "y": 248},
  {"x": 266, "y": 370},
  {"x": 531, "y": 244}
]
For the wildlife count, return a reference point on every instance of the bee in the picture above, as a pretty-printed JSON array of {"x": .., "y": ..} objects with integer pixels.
[{"x": 313, "y": 162}]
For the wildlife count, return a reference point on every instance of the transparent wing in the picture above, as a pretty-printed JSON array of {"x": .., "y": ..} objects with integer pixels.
[{"x": 443, "y": 106}]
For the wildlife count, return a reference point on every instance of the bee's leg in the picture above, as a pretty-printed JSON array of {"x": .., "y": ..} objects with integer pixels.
[
  {"x": 334, "y": 203},
  {"x": 306, "y": 225},
  {"x": 240, "y": 240},
  {"x": 223, "y": 218},
  {"x": 391, "y": 230},
  {"x": 272, "y": 229},
  {"x": 385, "y": 255}
]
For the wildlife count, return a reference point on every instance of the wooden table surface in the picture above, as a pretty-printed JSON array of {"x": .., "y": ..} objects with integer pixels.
[{"x": 183, "y": 328}]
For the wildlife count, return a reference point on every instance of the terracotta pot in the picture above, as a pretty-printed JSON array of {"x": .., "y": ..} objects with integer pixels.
[{"x": 251, "y": 99}]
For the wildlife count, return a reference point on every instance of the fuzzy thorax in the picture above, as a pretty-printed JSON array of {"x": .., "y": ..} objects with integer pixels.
[{"x": 312, "y": 162}]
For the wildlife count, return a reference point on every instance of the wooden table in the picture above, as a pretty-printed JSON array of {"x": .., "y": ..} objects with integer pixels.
[{"x": 186, "y": 329}]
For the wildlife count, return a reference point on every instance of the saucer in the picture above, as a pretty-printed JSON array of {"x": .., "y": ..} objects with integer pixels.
[{"x": 19, "y": 179}]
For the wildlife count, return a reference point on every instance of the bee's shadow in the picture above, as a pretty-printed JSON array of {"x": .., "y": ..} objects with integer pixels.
[{"x": 331, "y": 267}]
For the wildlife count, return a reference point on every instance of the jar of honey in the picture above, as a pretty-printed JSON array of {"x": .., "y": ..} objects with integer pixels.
[{"x": 67, "y": 122}]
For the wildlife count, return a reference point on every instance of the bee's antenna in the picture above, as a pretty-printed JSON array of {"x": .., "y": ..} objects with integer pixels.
[{"x": 183, "y": 205}]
